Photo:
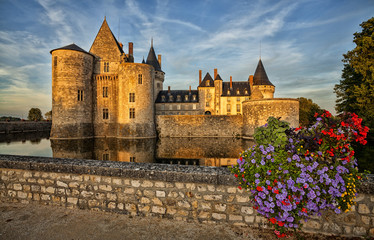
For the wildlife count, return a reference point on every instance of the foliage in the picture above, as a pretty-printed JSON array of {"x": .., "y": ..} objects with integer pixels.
[
  {"x": 35, "y": 114},
  {"x": 48, "y": 115},
  {"x": 5, "y": 118},
  {"x": 272, "y": 133},
  {"x": 306, "y": 111},
  {"x": 313, "y": 170},
  {"x": 356, "y": 89}
]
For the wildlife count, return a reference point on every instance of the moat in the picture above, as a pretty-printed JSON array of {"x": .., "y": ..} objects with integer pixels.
[{"x": 186, "y": 151}]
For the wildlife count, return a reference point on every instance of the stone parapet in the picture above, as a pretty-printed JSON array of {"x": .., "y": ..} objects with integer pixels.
[{"x": 189, "y": 193}]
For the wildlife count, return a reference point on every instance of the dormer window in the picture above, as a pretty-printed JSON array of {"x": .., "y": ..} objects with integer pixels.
[
  {"x": 207, "y": 83},
  {"x": 185, "y": 98},
  {"x": 162, "y": 98},
  {"x": 228, "y": 92},
  {"x": 179, "y": 98},
  {"x": 245, "y": 91},
  {"x": 193, "y": 97},
  {"x": 171, "y": 98},
  {"x": 237, "y": 92}
]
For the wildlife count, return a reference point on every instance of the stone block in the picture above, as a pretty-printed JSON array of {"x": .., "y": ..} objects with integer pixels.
[
  {"x": 107, "y": 188},
  {"x": 363, "y": 209},
  {"x": 212, "y": 197},
  {"x": 359, "y": 197},
  {"x": 211, "y": 188},
  {"x": 235, "y": 218},
  {"x": 219, "y": 216},
  {"x": 40, "y": 181},
  {"x": 159, "y": 184},
  {"x": 147, "y": 184},
  {"x": 36, "y": 196},
  {"x": 94, "y": 178},
  {"x": 242, "y": 199},
  {"x": 120, "y": 206},
  {"x": 359, "y": 231},
  {"x": 131, "y": 207},
  {"x": 107, "y": 180},
  {"x": 158, "y": 209},
  {"x": 78, "y": 178},
  {"x": 157, "y": 201},
  {"x": 111, "y": 196},
  {"x": 204, "y": 215},
  {"x": 26, "y": 188},
  {"x": 145, "y": 200},
  {"x": 17, "y": 187},
  {"x": 205, "y": 206},
  {"x": 129, "y": 190},
  {"x": 86, "y": 194},
  {"x": 72, "y": 200},
  {"x": 73, "y": 185},
  {"x": 365, "y": 220},
  {"x": 93, "y": 203},
  {"x": 149, "y": 193},
  {"x": 230, "y": 198},
  {"x": 173, "y": 195},
  {"x": 179, "y": 185},
  {"x": 12, "y": 193},
  {"x": 182, "y": 213},
  {"x": 201, "y": 188},
  {"x": 220, "y": 207},
  {"x": 21, "y": 194},
  {"x": 247, "y": 210},
  {"x": 312, "y": 224},
  {"x": 191, "y": 186},
  {"x": 61, "y": 191},
  {"x": 135, "y": 183},
  {"x": 117, "y": 181},
  {"x": 183, "y": 204},
  {"x": 112, "y": 205},
  {"x": 160, "y": 194},
  {"x": 61, "y": 184},
  {"x": 221, "y": 189},
  {"x": 144, "y": 208},
  {"x": 50, "y": 190},
  {"x": 45, "y": 197}
]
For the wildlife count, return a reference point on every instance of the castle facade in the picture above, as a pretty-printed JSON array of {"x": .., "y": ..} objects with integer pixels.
[{"x": 104, "y": 93}]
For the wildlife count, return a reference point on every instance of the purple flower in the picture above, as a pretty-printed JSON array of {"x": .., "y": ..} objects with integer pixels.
[
  {"x": 257, "y": 175},
  {"x": 253, "y": 161},
  {"x": 262, "y": 162}
]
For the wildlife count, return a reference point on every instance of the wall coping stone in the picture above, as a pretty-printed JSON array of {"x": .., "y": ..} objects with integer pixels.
[{"x": 150, "y": 171}]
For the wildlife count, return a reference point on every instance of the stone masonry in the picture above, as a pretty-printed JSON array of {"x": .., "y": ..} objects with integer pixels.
[{"x": 206, "y": 195}]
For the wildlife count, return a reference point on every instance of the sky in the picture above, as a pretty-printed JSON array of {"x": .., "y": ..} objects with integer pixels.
[{"x": 300, "y": 43}]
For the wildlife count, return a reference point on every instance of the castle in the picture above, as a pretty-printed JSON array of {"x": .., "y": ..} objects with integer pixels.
[{"x": 104, "y": 93}]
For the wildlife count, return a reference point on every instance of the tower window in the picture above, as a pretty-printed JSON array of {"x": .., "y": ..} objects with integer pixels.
[
  {"x": 140, "y": 79},
  {"x": 105, "y": 113},
  {"x": 228, "y": 108},
  {"x": 132, "y": 97},
  {"x": 238, "y": 108},
  {"x": 106, "y": 66},
  {"x": 207, "y": 104},
  {"x": 132, "y": 113},
  {"x": 132, "y": 159},
  {"x": 80, "y": 95},
  {"x": 55, "y": 61},
  {"x": 105, "y": 92},
  {"x": 106, "y": 156}
]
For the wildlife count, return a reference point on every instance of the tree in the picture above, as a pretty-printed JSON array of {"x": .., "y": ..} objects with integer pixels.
[
  {"x": 307, "y": 110},
  {"x": 355, "y": 92},
  {"x": 35, "y": 114},
  {"x": 48, "y": 115}
]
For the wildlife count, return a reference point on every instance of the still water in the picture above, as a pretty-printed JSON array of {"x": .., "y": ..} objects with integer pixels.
[{"x": 187, "y": 151}]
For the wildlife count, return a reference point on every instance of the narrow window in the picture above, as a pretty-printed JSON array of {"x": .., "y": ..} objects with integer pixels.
[
  {"x": 132, "y": 159},
  {"x": 106, "y": 66},
  {"x": 55, "y": 61},
  {"x": 105, "y": 113},
  {"x": 207, "y": 83},
  {"x": 238, "y": 99},
  {"x": 245, "y": 91},
  {"x": 132, "y": 112},
  {"x": 105, "y": 92},
  {"x": 238, "y": 108},
  {"x": 178, "y": 107},
  {"x": 193, "y": 97},
  {"x": 194, "y": 106},
  {"x": 158, "y": 85},
  {"x": 207, "y": 104},
  {"x": 132, "y": 97},
  {"x": 80, "y": 95},
  {"x": 163, "y": 107},
  {"x": 140, "y": 79},
  {"x": 106, "y": 156},
  {"x": 186, "y": 98},
  {"x": 228, "y": 99},
  {"x": 228, "y": 108},
  {"x": 237, "y": 92}
]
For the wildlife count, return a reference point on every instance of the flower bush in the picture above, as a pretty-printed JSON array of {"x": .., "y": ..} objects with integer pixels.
[{"x": 296, "y": 173}]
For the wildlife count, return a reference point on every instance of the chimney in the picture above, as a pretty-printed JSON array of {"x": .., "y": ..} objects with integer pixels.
[
  {"x": 159, "y": 59},
  {"x": 190, "y": 89},
  {"x": 250, "y": 81},
  {"x": 215, "y": 73},
  {"x": 200, "y": 77},
  {"x": 168, "y": 89},
  {"x": 230, "y": 81},
  {"x": 131, "y": 47}
]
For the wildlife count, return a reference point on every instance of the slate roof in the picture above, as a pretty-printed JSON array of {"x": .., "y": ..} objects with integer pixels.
[
  {"x": 152, "y": 59},
  {"x": 175, "y": 94},
  {"x": 218, "y": 77},
  {"x": 260, "y": 77},
  {"x": 207, "y": 81},
  {"x": 243, "y": 87},
  {"x": 71, "y": 47}
]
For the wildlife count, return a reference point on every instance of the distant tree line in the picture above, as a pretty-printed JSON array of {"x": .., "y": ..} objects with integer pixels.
[{"x": 35, "y": 114}]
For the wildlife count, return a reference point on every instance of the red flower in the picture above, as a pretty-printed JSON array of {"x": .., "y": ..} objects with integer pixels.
[
  {"x": 240, "y": 187},
  {"x": 276, "y": 191},
  {"x": 316, "y": 115},
  {"x": 304, "y": 210},
  {"x": 236, "y": 175},
  {"x": 259, "y": 188},
  {"x": 273, "y": 220},
  {"x": 280, "y": 223},
  {"x": 269, "y": 188}
]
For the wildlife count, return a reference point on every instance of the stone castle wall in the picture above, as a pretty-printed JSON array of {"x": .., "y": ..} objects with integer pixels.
[
  {"x": 202, "y": 194},
  {"x": 199, "y": 125}
]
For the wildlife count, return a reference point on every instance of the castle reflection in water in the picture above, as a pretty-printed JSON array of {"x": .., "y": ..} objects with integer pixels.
[{"x": 186, "y": 151}]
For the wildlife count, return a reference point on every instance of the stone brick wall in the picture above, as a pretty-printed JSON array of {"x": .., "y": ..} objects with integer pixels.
[
  {"x": 206, "y": 195},
  {"x": 198, "y": 125},
  {"x": 24, "y": 127}
]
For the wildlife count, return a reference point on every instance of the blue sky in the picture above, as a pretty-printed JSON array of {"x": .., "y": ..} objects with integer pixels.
[{"x": 302, "y": 42}]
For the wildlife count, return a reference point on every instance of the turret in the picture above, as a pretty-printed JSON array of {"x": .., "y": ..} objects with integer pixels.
[
  {"x": 72, "y": 69},
  {"x": 159, "y": 74},
  {"x": 218, "y": 92},
  {"x": 261, "y": 83}
]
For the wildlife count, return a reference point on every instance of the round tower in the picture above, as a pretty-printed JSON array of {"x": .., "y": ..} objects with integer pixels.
[
  {"x": 136, "y": 108},
  {"x": 71, "y": 93}
]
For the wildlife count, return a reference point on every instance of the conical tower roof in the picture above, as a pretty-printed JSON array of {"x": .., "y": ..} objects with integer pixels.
[
  {"x": 218, "y": 77},
  {"x": 207, "y": 81},
  {"x": 71, "y": 47},
  {"x": 260, "y": 77},
  {"x": 152, "y": 59},
  {"x": 105, "y": 44}
]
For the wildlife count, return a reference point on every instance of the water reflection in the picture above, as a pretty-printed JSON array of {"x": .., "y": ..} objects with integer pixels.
[{"x": 186, "y": 151}]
